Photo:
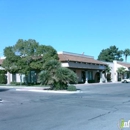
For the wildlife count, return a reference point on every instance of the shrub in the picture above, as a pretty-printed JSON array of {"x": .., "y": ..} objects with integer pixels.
[
  {"x": 15, "y": 83},
  {"x": 3, "y": 79},
  {"x": 57, "y": 76},
  {"x": 60, "y": 86},
  {"x": 71, "y": 88}
]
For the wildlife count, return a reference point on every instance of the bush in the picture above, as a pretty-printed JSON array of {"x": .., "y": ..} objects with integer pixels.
[
  {"x": 60, "y": 86},
  {"x": 71, "y": 88},
  {"x": 12, "y": 83},
  {"x": 3, "y": 79},
  {"x": 57, "y": 76},
  {"x": 3, "y": 72},
  {"x": 16, "y": 83}
]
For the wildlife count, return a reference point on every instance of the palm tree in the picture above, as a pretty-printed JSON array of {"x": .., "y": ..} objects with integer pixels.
[
  {"x": 66, "y": 76},
  {"x": 108, "y": 73},
  {"x": 56, "y": 76},
  {"x": 126, "y": 53},
  {"x": 121, "y": 71}
]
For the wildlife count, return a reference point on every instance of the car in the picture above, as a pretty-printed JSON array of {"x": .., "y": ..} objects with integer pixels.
[{"x": 125, "y": 80}]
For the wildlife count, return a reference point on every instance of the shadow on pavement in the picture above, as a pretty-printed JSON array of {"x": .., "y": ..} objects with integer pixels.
[{"x": 3, "y": 89}]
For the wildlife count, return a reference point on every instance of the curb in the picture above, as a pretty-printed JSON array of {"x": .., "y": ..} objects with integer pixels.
[
  {"x": 21, "y": 87},
  {"x": 50, "y": 91},
  {"x": 89, "y": 84}
]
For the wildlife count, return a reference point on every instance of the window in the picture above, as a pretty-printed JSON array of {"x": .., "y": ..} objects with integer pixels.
[
  {"x": 13, "y": 77},
  {"x": 90, "y": 75}
]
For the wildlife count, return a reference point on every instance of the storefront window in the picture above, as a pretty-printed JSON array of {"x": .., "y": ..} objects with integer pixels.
[
  {"x": 13, "y": 77},
  {"x": 90, "y": 75}
]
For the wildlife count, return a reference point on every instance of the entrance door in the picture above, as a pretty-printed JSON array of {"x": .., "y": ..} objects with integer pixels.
[
  {"x": 83, "y": 75},
  {"x": 97, "y": 77}
]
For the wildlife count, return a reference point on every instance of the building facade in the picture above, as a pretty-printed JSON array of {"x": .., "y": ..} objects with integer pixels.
[
  {"x": 86, "y": 67},
  {"x": 114, "y": 75}
]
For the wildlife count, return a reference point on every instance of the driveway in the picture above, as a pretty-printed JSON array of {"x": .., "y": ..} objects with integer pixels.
[{"x": 97, "y": 107}]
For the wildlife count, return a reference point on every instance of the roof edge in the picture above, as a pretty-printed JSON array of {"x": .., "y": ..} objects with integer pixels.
[{"x": 75, "y": 54}]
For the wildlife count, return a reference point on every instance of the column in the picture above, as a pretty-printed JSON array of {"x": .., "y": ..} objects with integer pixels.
[
  {"x": 8, "y": 77},
  {"x": 101, "y": 80},
  {"x": 115, "y": 79},
  {"x": 86, "y": 82},
  {"x": 104, "y": 78}
]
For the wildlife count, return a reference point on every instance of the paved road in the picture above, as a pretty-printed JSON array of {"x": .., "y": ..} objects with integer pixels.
[{"x": 98, "y": 107}]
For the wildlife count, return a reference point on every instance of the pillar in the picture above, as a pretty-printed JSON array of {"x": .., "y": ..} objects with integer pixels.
[
  {"x": 114, "y": 71},
  {"x": 8, "y": 77},
  {"x": 86, "y": 82},
  {"x": 101, "y": 80}
]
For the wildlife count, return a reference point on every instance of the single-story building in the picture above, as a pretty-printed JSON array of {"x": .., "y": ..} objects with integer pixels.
[
  {"x": 86, "y": 67},
  {"x": 114, "y": 76}
]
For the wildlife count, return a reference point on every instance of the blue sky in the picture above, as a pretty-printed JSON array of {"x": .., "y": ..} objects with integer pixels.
[{"x": 68, "y": 25}]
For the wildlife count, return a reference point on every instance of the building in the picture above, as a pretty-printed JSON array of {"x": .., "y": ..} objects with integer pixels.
[
  {"x": 86, "y": 67},
  {"x": 115, "y": 77}
]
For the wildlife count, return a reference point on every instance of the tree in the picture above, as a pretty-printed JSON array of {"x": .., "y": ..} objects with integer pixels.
[
  {"x": 27, "y": 55},
  {"x": 108, "y": 69},
  {"x": 56, "y": 76},
  {"x": 108, "y": 73},
  {"x": 110, "y": 54},
  {"x": 126, "y": 53},
  {"x": 121, "y": 71},
  {"x": 11, "y": 62},
  {"x": 3, "y": 77}
]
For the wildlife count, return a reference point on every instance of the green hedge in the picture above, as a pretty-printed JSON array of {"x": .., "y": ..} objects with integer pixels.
[
  {"x": 3, "y": 79},
  {"x": 71, "y": 88}
]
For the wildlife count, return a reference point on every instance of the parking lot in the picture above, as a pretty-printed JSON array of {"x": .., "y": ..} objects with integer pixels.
[{"x": 96, "y": 107}]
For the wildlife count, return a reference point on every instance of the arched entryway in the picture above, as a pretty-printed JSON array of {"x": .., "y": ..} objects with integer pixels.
[
  {"x": 83, "y": 75},
  {"x": 97, "y": 77},
  {"x": 108, "y": 76}
]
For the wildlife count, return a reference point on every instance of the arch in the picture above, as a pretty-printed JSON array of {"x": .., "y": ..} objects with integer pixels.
[
  {"x": 97, "y": 77},
  {"x": 108, "y": 76}
]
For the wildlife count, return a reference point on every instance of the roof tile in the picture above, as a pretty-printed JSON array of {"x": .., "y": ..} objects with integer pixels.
[{"x": 67, "y": 57}]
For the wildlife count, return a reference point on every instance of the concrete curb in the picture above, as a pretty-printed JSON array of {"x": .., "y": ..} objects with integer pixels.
[
  {"x": 50, "y": 91},
  {"x": 89, "y": 84},
  {"x": 25, "y": 87}
]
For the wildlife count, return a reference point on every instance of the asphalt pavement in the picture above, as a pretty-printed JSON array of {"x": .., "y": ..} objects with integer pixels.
[{"x": 98, "y": 107}]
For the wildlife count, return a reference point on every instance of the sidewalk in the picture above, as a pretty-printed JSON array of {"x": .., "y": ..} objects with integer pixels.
[
  {"x": 38, "y": 89},
  {"x": 23, "y": 87},
  {"x": 43, "y": 87},
  {"x": 97, "y": 83}
]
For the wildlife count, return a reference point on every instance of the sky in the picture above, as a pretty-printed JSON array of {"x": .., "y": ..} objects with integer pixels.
[{"x": 68, "y": 25}]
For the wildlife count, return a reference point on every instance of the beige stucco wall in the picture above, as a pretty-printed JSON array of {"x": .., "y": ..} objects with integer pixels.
[
  {"x": 78, "y": 72},
  {"x": 94, "y": 72},
  {"x": 114, "y": 67}
]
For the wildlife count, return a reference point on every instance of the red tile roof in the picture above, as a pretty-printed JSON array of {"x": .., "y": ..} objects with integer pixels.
[
  {"x": 124, "y": 64},
  {"x": 78, "y": 58}
]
